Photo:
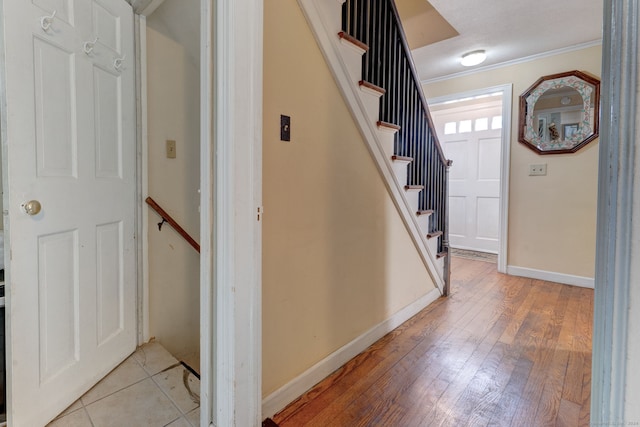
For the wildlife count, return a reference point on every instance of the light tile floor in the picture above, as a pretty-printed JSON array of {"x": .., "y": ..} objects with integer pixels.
[{"x": 151, "y": 388}]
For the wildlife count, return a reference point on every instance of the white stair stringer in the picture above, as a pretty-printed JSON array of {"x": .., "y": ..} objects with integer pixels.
[{"x": 324, "y": 19}]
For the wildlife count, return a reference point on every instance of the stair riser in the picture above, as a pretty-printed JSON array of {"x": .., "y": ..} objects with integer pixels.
[
  {"x": 333, "y": 15},
  {"x": 387, "y": 139},
  {"x": 433, "y": 244},
  {"x": 371, "y": 102},
  {"x": 423, "y": 224},
  {"x": 352, "y": 57},
  {"x": 400, "y": 171},
  {"x": 412, "y": 197}
]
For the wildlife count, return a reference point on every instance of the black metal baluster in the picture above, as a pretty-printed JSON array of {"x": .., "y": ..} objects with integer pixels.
[
  {"x": 423, "y": 144},
  {"x": 388, "y": 64}
]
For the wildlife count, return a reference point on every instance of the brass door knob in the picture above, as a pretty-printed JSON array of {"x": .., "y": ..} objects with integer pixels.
[{"x": 32, "y": 207}]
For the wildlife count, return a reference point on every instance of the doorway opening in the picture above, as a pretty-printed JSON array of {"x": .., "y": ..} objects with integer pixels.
[
  {"x": 474, "y": 130},
  {"x": 230, "y": 80},
  {"x": 165, "y": 369},
  {"x": 97, "y": 289},
  {"x": 170, "y": 56}
]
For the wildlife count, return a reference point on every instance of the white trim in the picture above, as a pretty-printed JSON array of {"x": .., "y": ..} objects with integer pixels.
[
  {"x": 230, "y": 231},
  {"x": 530, "y": 58},
  {"x": 317, "y": 13},
  {"x": 248, "y": 188},
  {"x": 505, "y": 157},
  {"x": 467, "y": 248},
  {"x": 616, "y": 231},
  {"x": 143, "y": 180},
  {"x": 208, "y": 366},
  {"x": 550, "y": 276},
  {"x": 469, "y": 94},
  {"x": 145, "y": 7},
  {"x": 222, "y": 193},
  {"x": 254, "y": 319},
  {"x": 286, "y": 394}
]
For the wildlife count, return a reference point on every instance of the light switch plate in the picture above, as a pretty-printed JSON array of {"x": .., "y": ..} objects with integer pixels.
[
  {"x": 171, "y": 149},
  {"x": 538, "y": 170},
  {"x": 285, "y": 128}
]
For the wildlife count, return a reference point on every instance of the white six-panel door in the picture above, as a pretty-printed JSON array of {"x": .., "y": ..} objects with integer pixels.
[
  {"x": 470, "y": 135},
  {"x": 69, "y": 137}
]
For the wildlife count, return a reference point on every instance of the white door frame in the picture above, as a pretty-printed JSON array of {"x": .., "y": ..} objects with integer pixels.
[
  {"x": 142, "y": 221},
  {"x": 617, "y": 235},
  {"x": 231, "y": 212},
  {"x": 504, "y": 158}
]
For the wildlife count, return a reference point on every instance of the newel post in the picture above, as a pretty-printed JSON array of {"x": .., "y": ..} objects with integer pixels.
[{"x": 445, "y": 235}]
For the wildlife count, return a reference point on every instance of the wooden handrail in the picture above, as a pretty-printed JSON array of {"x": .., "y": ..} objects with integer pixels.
[{"x": 172, "y": 222}]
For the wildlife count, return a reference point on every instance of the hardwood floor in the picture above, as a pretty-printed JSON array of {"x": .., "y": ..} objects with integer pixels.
[{"x": 500, "y": 351}]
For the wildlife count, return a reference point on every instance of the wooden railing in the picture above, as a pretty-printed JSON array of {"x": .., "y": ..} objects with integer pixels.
[
  {"x": 172, "y": 222},
  {"x": 388, "y": 64}
]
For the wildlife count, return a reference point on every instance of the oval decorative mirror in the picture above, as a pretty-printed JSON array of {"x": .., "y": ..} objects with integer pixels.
[{"x": 560, "y": 113}]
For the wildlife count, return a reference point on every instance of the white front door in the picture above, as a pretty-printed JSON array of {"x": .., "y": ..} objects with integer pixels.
[
  {"x": 68, "y": 134},
  {"x": 470, "y": 135}
]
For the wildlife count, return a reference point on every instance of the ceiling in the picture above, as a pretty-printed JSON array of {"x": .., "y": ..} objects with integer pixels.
[{"x": 508, "y": 30}]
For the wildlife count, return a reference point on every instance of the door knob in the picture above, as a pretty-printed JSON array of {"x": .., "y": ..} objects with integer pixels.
[{"x": 32, "y": 207}]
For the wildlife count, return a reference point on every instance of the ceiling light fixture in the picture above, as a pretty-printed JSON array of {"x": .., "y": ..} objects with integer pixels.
[{"x": 473, "y": 58}]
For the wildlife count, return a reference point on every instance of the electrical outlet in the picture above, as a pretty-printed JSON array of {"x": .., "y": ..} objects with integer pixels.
[
  {"x": 538, "y": 170},
  {"x": 171, "y": 149}
]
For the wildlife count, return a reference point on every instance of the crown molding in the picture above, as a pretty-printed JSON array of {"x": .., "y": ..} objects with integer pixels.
[{"x": 524, "y": 59}]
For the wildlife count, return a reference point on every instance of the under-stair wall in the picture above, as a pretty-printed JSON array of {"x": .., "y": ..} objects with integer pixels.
[
  {"x": 340, "y": 268},
  {"x": 364, "y": 44}
]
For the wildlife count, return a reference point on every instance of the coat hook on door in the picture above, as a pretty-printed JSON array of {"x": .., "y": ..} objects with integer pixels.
[
  {"x": 161, "y": 223},
  {"x": 88, "y": 46},
  {"x": 46, "y": 21},
  {"x": 117, "y": 63}
]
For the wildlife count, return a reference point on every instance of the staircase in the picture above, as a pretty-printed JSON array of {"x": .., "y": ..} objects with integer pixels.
[{"x": 366, "y": 49}]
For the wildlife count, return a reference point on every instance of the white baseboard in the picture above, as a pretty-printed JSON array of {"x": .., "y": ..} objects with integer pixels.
[
  {"x": 550, "y": 276},
  {"x": 286, "y": 394}
]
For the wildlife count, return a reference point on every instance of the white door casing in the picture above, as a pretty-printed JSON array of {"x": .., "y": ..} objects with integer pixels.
[
  {"x": 472, "y": 139},
  {"x": 68, "y": 124}
]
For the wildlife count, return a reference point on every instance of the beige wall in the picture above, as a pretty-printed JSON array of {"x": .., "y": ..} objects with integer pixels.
[
  {"x": 337, "y": 259},
  {"x": 173, "y": 113},
  {"x": 552, "y": 218}
]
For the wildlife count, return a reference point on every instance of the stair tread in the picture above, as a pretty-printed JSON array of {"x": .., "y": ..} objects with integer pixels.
[
  {"x": 434, "y": 234},
  {"x": 388, "y": 125},
  {"x": 371, "y": 86},
  {"x": 402, "y": 158},
  {"x": 425, "y": 212},
  {"x": 414, "y": 187},
  {"x": 442, "y": 254},
  {"x": 354, "y": 41}
]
